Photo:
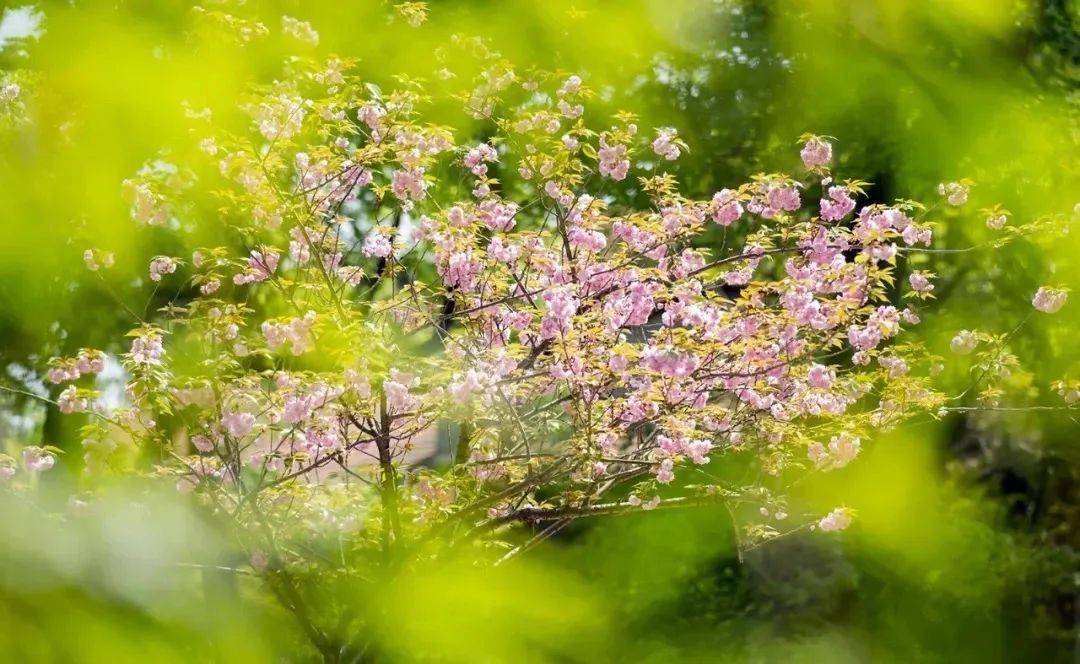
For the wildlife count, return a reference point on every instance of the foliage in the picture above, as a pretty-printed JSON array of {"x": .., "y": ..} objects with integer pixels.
[{"x": 352, "y": 267}]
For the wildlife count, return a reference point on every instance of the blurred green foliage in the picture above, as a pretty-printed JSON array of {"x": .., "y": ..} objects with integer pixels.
[{"x": 965, "y": 546}]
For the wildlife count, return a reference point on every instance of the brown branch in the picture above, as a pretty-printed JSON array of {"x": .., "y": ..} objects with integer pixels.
[
  {"x": 540, "y": 514},
  {"x": 388, "y": 479}
]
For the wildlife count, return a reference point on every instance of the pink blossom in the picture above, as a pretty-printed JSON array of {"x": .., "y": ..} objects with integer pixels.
[
  {"x": 147, "y": 349},
  {"x": 502, "y": 252},
  {"x": 476, "y": 159},
  {"x": 295, "y": 331},
  {"x": 956, "y": 193},
  {"x": 96, "y": 260},
  {"x": 263, "y": 263},
  {"x": 669, "y": 362},
  {"x": 372, "y": 115},
  {"x": 90, "y": 361},
  {"x": 650, "y": 504},
  {"x": 161, "y": 266},
  {"x": 37, "y": 459},
  {"x": 896, "y": 366},
  {"x": 570, "y": 86},
  {"x": 618, "y": 363},
  {"x": 202, "y": 443},
  {"x": 147, "y": 207},
  {"x": 461, "y": 270},
  {"x": 561, "y": 307},
  {"x": 296, "y": 408},
  {"x": 836, "y": 520},
  {"x": 964, "y": 342},
  {"x": 60, "y": 374},
  {"x": 774, "y": 199},
  {"x": 864, "y": 338},
  {"x": 497, "y": 215},
  {"x": 612, "y": 160},
  {"x": 916, "y": 234},
  {"x": 665, "y": 473},
  {"x": 377, "y": 244},
  {"x": 838, "y": 205},
  {"x": 299, "y": 30},
  {"x": 398, "y": 398},
  {"x": 261, "y": 266},
  {"x": 726, "y": 209},
  {"x": 698, "y": 451},
  {"x": 820, "y": 376},
  {"x": 409, "y": 185},
  {"x": 592, "y": 241},
  {"x": 1049, "y": 300},
  {"x": 664, "y": 145},
  {"x": 238, "y": 423},
  {"x": 466, "y": 386},
  {"x": 816, "y": 153},
  {"x": 554, "y": 191},
  {"x": 280, "y": 117},
  {"x": 920, "y": 282},
  {"x": 70, "y": 402}
]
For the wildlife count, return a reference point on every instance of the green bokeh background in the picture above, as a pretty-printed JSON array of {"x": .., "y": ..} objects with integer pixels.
[{"x": 965, "y": 543}]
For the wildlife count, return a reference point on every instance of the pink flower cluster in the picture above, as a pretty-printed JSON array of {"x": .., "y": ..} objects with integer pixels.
[
  {"x": 85, "y": 363},
  {"x": 664, "y": 144},
  {"x": 612, "y": 160},
  {"x": 1049, "y": 300},
  {"x": 261, "y": 266},
  {"x": 296, "y": 332},
  {"x": 816, "y": 153}
]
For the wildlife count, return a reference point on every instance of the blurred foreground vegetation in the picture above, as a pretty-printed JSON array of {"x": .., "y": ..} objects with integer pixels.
[{"x": 965, "y": 548}]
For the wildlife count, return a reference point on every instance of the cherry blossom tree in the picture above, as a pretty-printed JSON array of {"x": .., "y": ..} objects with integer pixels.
[{"x": 380, "y": 279}]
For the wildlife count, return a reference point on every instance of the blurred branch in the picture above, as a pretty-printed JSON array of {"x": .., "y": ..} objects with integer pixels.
[{"x": 539, "y": 514}]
